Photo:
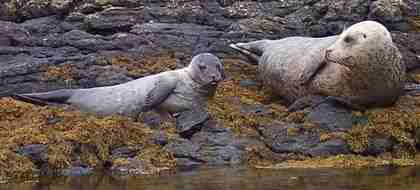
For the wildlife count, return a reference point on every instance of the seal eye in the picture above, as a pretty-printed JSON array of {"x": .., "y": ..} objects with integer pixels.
[
  {"x": 348, "y": 39},
  {"x": 364, "y": 36},
  {"x": 202, "y": 67}
]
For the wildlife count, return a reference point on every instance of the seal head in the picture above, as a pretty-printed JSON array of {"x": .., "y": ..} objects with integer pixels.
[
  {"x": 206, "y": 70},
  {"x": 370, "y": 64}
]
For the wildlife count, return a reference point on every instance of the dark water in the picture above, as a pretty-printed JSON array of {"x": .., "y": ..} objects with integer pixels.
[{"x": 241, "y": 179}]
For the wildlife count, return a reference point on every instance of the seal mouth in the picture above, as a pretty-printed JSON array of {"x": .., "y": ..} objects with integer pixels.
[{"x": 329, "y": 59}]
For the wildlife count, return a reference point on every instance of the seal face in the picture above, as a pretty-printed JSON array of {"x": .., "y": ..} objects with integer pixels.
[
  {"x": 183, "y": 92},
  {"x": 361, "y": 66}
]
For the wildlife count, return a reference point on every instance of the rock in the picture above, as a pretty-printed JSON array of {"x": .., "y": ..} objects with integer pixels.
[
  {"x": 221, "y": 155},
  {"x": 36, "y": 152},
  {"x": 331, "y": 117},
  {"x": 125, "y": 151},
  {"x": 408, "y": 44},
  {"x": 255, "y": 109},
  {"x": 288, "y": 138},
  {"x": 160, "y": 138},
  {"x": 43, "y": 26},
  {"x": 417, "y": 138},
  {"x": 76, "y": 171},
  {"x": 182, "y": 148},
  {"x": 330, "y": 148},
  {"x": 12, "y": 34},
  {"x": 283, "y": 137},
  {"x": 113, "y": 20},
  {"x": 130, "y": 166},
  {"x": 377, "y": 146},
  {"x": 390, "y": 12}
]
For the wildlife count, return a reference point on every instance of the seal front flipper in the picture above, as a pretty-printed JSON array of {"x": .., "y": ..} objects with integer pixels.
[
  {"x": 45, "y": 98},
  {"x": 188, "y": 120},
  {"x": 310, "y": 72},
  {"x": 160, "y": 91}
]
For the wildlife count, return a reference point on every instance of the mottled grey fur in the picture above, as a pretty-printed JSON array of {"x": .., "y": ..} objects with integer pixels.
[
  {"x": 360, "y": 67},
  {"x": 177, "y": 92}
]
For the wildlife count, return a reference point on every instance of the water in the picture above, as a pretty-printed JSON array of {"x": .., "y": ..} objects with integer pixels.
[{"x": 240, "y": 179}]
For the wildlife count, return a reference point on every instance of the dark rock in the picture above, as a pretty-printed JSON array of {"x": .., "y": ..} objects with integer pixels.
[
  {"x": 12, "y": 34},
  {"x": 125, "y": 151},
  {"x": 389, "y": 12},
  {"x": 113, "y": 20},
  {"x": 254, "y": 109},
  {"x": 409, "y": 45},
  {"x": 417, "y": 138},
  {"x": 248, "y": 83},
  {"x": 36, "y": 152},
  {"x": 288, "y": 138},
  {"x": 132, "y": 166},
  {"x": 221, "y": 155},
  {"x": 187, "y": 163},
  {"x": 331, "y": 116},
  {"x": 43, "y": 26},
  {"x": 377, "y": 146},
  {"x": 213, "y": 139},
  {"x": 160, "y": 138},
  {"x": 151, "y": 119},
  {"x": 293, "y": 138},
  {"x": 182, "y": 148},
  {"x": 76, "y": 171},
  {"x": 330, "y": 147}
]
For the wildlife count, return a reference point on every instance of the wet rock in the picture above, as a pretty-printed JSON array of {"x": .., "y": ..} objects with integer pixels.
[
  {"x": 256, "y": 109},
  {"x": 417, "y": 138},
  {"x": 130, "y": 166},
  {"x": 377, "y": 146},
  {"x": 151, "y": 119},
  {"x": 182, "y": 148},
  {"x": 288, "y": 138},
  {"x": 125, "y": 151},
  {"x": 86, "y": 41},
  {"x": 43, "y": 26},
  {"x": 330, "y": 147},
  {"x": 248, "y": 83},
  {"x": 331, "y": 117},
  {"x": 113, "y": 20},
  {"x": 283, "y": 137},
  {"x": 12, "y": 34},
  {"x": 160, "y": 138},
  {"x": 391, "y": 12},
  {"x": 76, "y": 171},
  {"x": 409, "y": 45},
  {"x": 36, "y": 152},
  {"x": 221, "y": 155}
]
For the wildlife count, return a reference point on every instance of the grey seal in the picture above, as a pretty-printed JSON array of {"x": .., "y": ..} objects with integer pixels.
[
  {"x": 361, "y": 67},
  {"x": 182, "y": 93}
]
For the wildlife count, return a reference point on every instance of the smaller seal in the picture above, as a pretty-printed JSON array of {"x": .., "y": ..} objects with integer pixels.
[
  {"x": 181, "y": 93},
  {"x": 360, "y": 68}
]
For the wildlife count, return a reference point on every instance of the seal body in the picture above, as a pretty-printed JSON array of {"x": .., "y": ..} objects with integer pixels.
[
  {"x": 361, "y": 66},
  {"x": 179, "y": 91}
]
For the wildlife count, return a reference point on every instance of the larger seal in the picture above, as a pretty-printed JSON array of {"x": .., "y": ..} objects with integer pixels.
[
  {"x": 361, "y": 67},
  {"x": 183, "y": 93}
]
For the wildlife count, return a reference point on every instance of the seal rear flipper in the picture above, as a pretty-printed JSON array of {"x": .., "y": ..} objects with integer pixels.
[
  {"x": 45, "y": 98},
  {"x": 253, "y": 50}
]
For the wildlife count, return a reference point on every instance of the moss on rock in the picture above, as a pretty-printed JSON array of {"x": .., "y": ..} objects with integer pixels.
[{"x": 63, "y": 129}]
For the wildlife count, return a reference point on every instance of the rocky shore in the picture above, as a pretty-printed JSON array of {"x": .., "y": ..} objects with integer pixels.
[{"x": 54, "y": 44}]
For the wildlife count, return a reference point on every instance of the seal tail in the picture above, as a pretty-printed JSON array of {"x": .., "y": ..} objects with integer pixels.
[
  {"x": 45, "y": 98},
  {"x": 253, "y": 50}
]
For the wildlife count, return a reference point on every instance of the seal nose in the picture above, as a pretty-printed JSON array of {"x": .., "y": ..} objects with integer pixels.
[
  {"x": 328, "y": 51},
  {"x": 215, "y": 78}
]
